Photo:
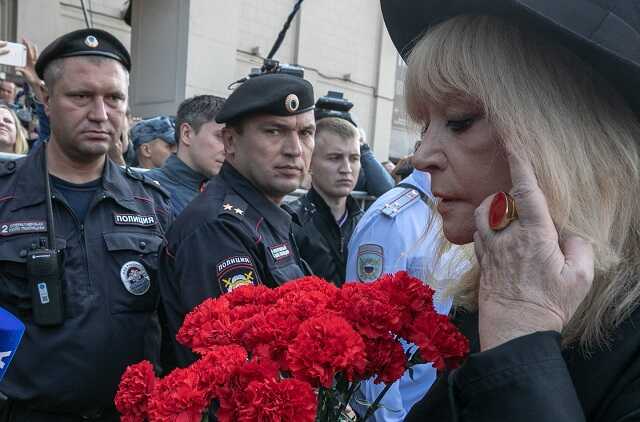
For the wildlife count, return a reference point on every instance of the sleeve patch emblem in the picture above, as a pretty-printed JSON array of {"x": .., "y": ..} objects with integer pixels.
[
  {"x": 234, "y": 272},
  {"x": 280, "y": 252},
  {"x": 370, "y": 262}
]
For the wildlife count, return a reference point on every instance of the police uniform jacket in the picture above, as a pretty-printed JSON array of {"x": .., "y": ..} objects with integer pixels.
[
  {"x": 531, "y": 379},
  {"x": 230, "y": 235},
  {"x": 109, "y": 284},
  {"x": 322, "y": 243}
]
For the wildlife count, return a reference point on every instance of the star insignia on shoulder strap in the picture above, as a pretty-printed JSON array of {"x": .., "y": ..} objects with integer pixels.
[
  {"x": 228, "y": 207},
  {"x": 238, "y": 211}
]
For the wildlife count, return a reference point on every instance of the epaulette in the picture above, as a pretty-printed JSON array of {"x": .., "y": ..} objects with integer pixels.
[
  {"x": 7, "y": 167},
  {"x": 401, "y": 202},
  {"x": 139, "y": 176},
  {"x": 233, "y": 205}
]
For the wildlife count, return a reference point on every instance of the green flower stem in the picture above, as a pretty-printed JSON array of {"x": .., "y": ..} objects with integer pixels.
[{"x": 374, "y": 405}]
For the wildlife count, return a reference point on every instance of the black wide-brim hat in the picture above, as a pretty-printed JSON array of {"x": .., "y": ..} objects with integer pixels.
[{"x": 605, "y": 34}]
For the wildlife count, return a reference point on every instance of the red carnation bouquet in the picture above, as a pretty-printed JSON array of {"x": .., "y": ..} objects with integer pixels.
[{"x": 294, "y": 353}]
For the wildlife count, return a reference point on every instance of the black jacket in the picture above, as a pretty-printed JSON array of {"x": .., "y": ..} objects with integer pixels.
[
  {"x": 229, "y": 236},
  {"x": 322, "y": 243},
  {"x": 531, "y": 379},
  {"x": 109, "y": 282}
]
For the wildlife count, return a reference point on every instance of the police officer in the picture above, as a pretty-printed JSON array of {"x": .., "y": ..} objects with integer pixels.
[
  {"x": 235, "y": 233},
  {"x": 399, "y": 233},
  {"x": 154, "y": 141},
  {"x": 109, "y": 225}
]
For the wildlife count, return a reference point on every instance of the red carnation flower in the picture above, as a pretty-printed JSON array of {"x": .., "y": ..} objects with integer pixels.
[
  {"x": 309, "y": 283},
  {"x": 215, "y": 368},
  {"x": 178, "y": 398},
  {"x": 409, "y": 294},
  {"x": 385, "y": 359},
  {"x": 325, "y": 345},
  {"x": 268, "y": 335},
  {"x": 134, "y": 391},
  {"x": 208, "y": 324},
  {"x": 439, "y": 340},
  {"x": 288, "y": 400},
  {"x": 232, "y": 395},
  {"x": 367, "y": 309},
  {"x": 251, "y": 295}
]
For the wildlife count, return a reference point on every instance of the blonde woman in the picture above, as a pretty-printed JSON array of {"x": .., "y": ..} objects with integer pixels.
[
  {"x": 531, "y": 139},
  {"x": 12, "y": 137}
]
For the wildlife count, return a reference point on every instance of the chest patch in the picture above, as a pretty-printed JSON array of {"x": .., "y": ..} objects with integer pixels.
[
  {"x": 134, "y": 220},
  {"x": 10, "y": 228},
  {"x": 135, "y": 278},
  {"x": 370, "y": 262},
  {"x": 280, "y": 252}
]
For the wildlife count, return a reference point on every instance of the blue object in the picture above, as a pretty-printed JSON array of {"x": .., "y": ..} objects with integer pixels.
[
  {"x": 392, "y": 236},
  {"x": 11, "y": 331},
  {"x": 160, "y": 127}
]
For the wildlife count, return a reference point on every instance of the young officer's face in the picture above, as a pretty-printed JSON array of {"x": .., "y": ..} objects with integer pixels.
[
  {"x": 87, "y": 106},
  {"x": 273, "y": 152},
  {"x": 335, "y": 164}
]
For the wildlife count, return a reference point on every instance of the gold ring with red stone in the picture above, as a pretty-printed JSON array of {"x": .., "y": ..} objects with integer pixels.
[{"x": 502, "y": 211}]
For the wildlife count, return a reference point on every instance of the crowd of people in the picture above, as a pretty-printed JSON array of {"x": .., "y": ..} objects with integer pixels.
[{"x": 518, "y": 207}]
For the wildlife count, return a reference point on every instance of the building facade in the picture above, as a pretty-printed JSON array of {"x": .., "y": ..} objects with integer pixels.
[{"x": 182, "y": 48}]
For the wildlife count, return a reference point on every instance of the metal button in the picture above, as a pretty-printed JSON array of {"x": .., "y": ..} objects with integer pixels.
[
  {"x": 143, "y": 244},
  {"x": 23, "y": 253}
]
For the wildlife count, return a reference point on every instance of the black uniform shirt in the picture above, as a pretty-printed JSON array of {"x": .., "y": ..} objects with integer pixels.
[
  {"x": 229, "y": 236},
  {"x": 110, "y": 291},
  {"x": 322, "y": 242}
]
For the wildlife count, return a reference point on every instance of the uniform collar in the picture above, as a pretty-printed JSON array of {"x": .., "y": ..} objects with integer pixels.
[
  {"x": 352, "y": 206},
  {"x": 30, "y": 188},
  {"x": 276, "y": 216},
  {"x": 181, "y": 173}
]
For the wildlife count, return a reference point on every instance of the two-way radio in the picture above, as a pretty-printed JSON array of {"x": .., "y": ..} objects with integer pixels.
[{"x": 44, "y": 269}]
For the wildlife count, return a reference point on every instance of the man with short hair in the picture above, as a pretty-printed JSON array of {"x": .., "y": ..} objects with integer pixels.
[
  {"x": 109, "y": 226},
  {"x": 154, "y": 141},
  {"x": 235, "y": 233},
  {"x": 8, "y": 92},
  {"x": 200, "y": 151},
  {"x": 328, "y": 214}
]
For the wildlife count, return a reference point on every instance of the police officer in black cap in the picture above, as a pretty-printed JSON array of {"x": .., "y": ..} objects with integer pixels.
[
  {"x": 235, "y": 233},
  {"x": 91, "y": 310}
]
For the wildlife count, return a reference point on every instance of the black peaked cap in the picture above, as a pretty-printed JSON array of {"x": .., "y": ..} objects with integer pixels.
[
  {"x": 277, "y": 94},
  {"x": 84, "y": 42}
]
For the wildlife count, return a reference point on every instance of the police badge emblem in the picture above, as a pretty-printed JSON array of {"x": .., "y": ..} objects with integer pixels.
[
  {"x": 292, "y": 103},
  {"x": 91, "y": 41},
  {"x": 370, "y": 262},
  {"x": 135, "y": 278}
]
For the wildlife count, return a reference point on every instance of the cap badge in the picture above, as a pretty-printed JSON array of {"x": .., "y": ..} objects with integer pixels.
[
  {"x": 91, "y": 41},
  {"x": 291, "y": 103}
]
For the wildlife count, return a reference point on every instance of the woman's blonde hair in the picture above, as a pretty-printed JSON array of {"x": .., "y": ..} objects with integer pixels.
[
  {"x": 21, "y": 146},
  {"x": 576, "y": 130}
]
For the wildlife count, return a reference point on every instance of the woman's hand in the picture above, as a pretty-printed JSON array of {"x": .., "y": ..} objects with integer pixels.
[
  {"x": 529, "y": 280},
  {"x": 28, "y": 72}
]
